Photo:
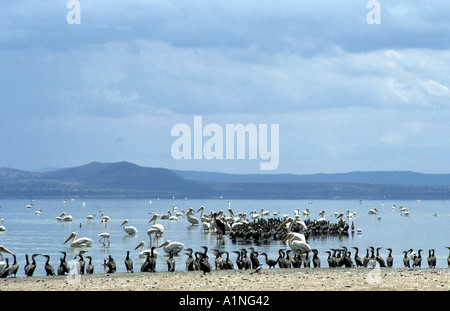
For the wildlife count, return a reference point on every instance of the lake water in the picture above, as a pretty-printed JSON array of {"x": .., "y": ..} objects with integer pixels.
[{"x": 426, "y": 227}]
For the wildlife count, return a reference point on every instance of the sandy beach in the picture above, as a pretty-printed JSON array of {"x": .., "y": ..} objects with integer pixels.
[{"x": 237, "y": 280}]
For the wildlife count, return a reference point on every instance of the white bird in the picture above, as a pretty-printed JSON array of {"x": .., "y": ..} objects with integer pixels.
[
  {"x": 298, "y": 235},
  {"x": 191, "y": 218},
  {"x": 128, "y": 229},
  {"x": 81, "y": 242},
  {"x": 296, "y": 242},
  {"x": 373, "y": 211},
  {"x": 2, "y": 260},
  {"x": 2, "y": 227},
  {"x": 159, "y": 228},
  {"x": 174, "y": 247},
  {"x": 67, "y": 218},
  {"x": 104, "y": 218},
  {"x": 306, "y": 212},
  {"x": 143, "y": 253},
  {"x": 90, "y": 217},
  {"x": 265, "y": 213},
  {"x": 105, "y": 237},
  {"x": 60, "y": 217},
  {"x": 38, "y": 212}
]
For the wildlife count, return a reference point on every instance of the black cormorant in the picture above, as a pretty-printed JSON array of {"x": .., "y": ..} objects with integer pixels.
[
  {"x": 129, "y": 263},
  {"x": 358, "y": 260},
  {"x": 379, "y": 259},
  {"x": 316, "y": 259},
  {"x": 406, "y": 259},
  {"x": 431, "y": 259},
  {"x": 190, "y": 260},
  {"x": 205, "y": 266},
  {"x": 90, "y": 266},
  {"x": 111, "y": 265},
  {"x": 254, "y": 258},
  {"x": 390, "y": 259},
  {"x": 49, "y": 270},
  {"x": 239, "y": 263},
  {"x": 171, "y": 262},
  {"x": 418, "y": 259},
  {"x": 29, "y": 269}
]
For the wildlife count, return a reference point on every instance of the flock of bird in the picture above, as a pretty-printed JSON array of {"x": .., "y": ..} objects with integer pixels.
[
  {"x": 200, "y": 261},
  {"x": 291, "y": 231}
]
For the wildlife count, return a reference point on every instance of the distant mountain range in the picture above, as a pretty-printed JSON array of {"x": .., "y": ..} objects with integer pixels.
[{"x": 128, "y": 180}]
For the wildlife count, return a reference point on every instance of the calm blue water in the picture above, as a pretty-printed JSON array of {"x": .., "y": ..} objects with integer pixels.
[{"x": 426, "y": 227}]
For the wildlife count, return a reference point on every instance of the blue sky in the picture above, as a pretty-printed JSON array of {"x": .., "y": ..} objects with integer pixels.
[{"x": 347, "y": 95}]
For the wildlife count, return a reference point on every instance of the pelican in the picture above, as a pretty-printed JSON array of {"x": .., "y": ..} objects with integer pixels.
[
  {"x": 2, "y": 227},
  {"x": 296, "y": 243},
  {"x": 38, "y": 212},
  {"x": 105, "y": 237},
  {"x": 67, "y": 218},
  {"x": 289, "y": 228},
  {"x": 191, "y": 218},
  {"x": 2, "y": 260},
  {"x": 81, "y": 242},
  {"x": 174, "y": 247},
  {"x": 128, "y": 229},
  {"x": 143, "y": 253},
  {"x": 104, "y": 218},
  {"x": 159, "y": 228},
  {"x": 373, "y": 211},
  {"x": 90, "y": 217},
  {"x": 60, "y": 217}
]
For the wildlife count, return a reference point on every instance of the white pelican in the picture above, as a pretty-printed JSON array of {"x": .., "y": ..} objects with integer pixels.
[
  {"x": 104, "y": 237},
  {"x": 143, "y": 252},
  {"x": 306, "y": 212},
  {"x": 191, "y": 218},
  {"x": 296, "y": 243},
  {"x": 59, "y": 218},
  {"x": 166, "y": 216},
  {"x": 81, "y": 242},
  {"x": 174, "y": 247},
  {"x": 128, "y": 229},
  {"x": 2, "y": 227},
  {"x": 38, "y": 212},
  {"x": 373, "y": 211},
  {"x": 2, "y": 261},
  {"x": 290, "y": 220},
  {"x": 104, "y": 218},
  {"x": 90, "y": 217},
  {"x": 67, "y": 218},
  {"x": 203, "y": 217},
  {"x": 159, "y": 228},
  {"x": 264, "y": 213}
]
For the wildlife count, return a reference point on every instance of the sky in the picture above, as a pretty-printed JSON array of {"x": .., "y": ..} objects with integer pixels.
[{"x": 347, "y": 94}]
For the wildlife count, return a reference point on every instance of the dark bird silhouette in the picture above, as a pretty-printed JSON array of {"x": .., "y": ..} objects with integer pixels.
[
  {"x": 171, "y": 262},
  {"x": 49, "y": 270},
  {"x": 218, "y": 261},
  {"x": 358, "y": 260},
  {"x": 29, "y": 269},
  {"x": 389, "y": 258},
  {"x": 379, "y": 259},
  {"x": 418, "y": 259},
  {"x": 239, "y": 263},
  {"x": 329, "y": 260},
  {"x": 64, "y": 266},
  {"x": 254, "y": 258},
  {"x": 246, "y": 263},
  {"x": 228, "y": 264},
  {"x": 190, "y": 266},
  {"x": 205, "y": 266},
  {"x": 111, "y": 265},
  {"x": 316, "y": 259},
  {"x": 406, "y": 262},
  {"x": 14, "y": 267},
  {"x": 220, "y": 226},
  {"x": 431, "y": 259},
  {"x": 81, "y": 263},
  {"x": 129, "y": 263},
  {"x": 90, "y": 266},
  {"x": 270, "y": 262},
  {"x": 366, "y": 258}
]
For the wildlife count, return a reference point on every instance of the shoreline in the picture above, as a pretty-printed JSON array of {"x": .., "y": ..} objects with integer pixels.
[{"x": 324, "y": 279}]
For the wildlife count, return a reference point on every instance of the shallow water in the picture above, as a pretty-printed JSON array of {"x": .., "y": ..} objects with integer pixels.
[{"x": 426, "y": 227}]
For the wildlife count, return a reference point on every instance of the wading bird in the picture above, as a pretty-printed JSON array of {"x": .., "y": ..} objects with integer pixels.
[
  {"x": 90, "y": 266},
  {"x": 129, "y": 263},
  {"x": 128, "y": 229},
  {"x": 81, "y": 242},
  {"x": 174, "y": 247}
]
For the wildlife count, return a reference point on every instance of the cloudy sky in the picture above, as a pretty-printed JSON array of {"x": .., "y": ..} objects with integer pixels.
[{"x": 347, "y": 95}]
